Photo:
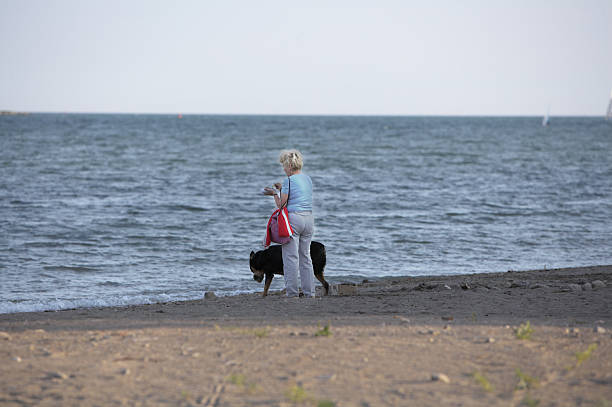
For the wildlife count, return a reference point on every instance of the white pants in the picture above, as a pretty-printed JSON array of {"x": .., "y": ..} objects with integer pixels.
[{"x": 296, "y": 255}]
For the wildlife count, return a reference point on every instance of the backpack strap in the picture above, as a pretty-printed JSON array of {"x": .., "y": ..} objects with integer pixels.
[{"x": 288, "y": 193}]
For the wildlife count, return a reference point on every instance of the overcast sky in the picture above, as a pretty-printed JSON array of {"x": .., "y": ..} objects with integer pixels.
[{"x": 308, "y": 57}]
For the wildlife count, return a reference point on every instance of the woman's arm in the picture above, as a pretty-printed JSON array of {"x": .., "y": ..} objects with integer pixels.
[{"x": 280, "y": 201}]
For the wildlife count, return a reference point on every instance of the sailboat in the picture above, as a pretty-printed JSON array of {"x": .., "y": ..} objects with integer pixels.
[
  {"x": 609, "y": 112},
  {"x": 546, "y": 118}
]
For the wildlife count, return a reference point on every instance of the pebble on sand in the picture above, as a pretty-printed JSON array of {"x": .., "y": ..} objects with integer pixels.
[
  {"x": 343, "y": 289},
  {"x": 402, "y": 319},
  {"x": 56, "y": 375},
  {"x": 209, "y": 295},
  {"x": 572, "y": 331},
  {"x": 440, "y": 377},
  {"x": 575, "y": 288},
  {"x": 599, "y": 329},
  {"x": 587, "y": 287},
  {"x": 597, "y": 284},
  {"x": 5, "y": 336}
]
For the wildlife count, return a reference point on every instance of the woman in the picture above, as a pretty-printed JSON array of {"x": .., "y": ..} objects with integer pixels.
[{"x": 296, "y": 191}]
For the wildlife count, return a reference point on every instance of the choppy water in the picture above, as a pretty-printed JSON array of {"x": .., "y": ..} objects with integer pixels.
[{"x": 125, "y": 209}]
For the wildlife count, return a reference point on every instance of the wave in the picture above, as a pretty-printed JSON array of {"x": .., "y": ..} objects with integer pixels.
[
  {"x": 43, "y": 244},
  {"x": 109, "y": 284},
  {"x": 78, "y": 269},
  {"x": 189, "y": 208},
  {"x": 9, "y": 307},
  {"x": 36, "y": 305},
  {"x": 18, "y": 306}
]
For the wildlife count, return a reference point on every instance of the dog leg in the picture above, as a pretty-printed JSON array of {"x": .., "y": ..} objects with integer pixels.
[
  {"x": 267, "y": 284},
  {"x": 325, "y": 283}
]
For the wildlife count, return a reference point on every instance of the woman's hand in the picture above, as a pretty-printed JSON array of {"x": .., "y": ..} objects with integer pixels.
[
  {"x": 270, "y": 191},
  {"x": 278, "y": 186}
]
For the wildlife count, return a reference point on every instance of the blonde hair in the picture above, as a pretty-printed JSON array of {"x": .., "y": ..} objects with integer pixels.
[{"x": 291, "y": 159}]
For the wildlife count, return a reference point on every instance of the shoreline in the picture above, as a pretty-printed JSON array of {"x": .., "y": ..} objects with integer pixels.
[
  {"x": 493, "y": 339},
  {"x": 352, "y": 279},
  {"x": 549, "y": 281},
  {"x": 349, "y": 282}
]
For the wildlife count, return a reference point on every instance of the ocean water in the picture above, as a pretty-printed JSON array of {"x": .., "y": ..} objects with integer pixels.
[{"x": 100, "y": 210}]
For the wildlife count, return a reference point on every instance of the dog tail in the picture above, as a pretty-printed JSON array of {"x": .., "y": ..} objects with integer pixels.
[{"x": 319, "y": 263}]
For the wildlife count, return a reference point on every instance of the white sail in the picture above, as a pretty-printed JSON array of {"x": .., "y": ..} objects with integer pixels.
[
  {"x": 609, "y": 112},
  {"x": 546, "y": 119}
]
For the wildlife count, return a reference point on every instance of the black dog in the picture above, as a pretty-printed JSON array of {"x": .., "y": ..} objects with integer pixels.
[{"x": 270, "y": 261}]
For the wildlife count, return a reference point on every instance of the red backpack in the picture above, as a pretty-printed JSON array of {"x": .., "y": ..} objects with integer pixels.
[{"x": 279, "y": 229}]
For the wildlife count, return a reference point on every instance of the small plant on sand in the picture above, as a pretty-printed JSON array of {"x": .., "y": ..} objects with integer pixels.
[
  {"x": 297, "y": 394},
  {"x": 583, "y": 356},
  {"x": 237, "y": 379},
  {"x": 240, "y": 380},
  {"x": 483, "y": 381},
  {"x": 258, "y": 332},
  {"x": 526, "y": 381},
  {"x": 185, "y": 395},
  {"x": 261, "y": 332},
  {"x": 323, "y": 331},
  {"x": 326, "y": 403},
  {"x": 524, "y": 331},
  {"x": 529, "y": 402}
]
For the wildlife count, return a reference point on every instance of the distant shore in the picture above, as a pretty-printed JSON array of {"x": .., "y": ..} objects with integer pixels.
[
  {"x": 11, "y": 113},
  {"x": 482, "y": 339}
]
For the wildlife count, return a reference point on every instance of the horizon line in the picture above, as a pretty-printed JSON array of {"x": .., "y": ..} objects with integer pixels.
[{"x": 178, "y": 113}]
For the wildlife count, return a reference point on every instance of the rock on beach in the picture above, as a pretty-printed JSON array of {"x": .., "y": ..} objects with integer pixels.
[{"x": 440, "y": 377}]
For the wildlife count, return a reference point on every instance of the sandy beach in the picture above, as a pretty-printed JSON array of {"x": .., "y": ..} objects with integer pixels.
[{"x": 533, "y": 338}]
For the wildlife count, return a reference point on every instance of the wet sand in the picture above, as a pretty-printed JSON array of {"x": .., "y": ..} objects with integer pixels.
[{"x": 517, "y": 338}]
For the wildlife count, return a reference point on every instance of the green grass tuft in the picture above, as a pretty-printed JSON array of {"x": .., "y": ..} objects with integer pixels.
[
  {"x": 326, "y": 403},
  {"x": 237, "y": 379},
  {"x": 324, "y": 331},
  {"x": 583, "y": 356},
  {"x": 261, "y": 332},
  {"x": 483, "y": 381},
  {"x": 526, "y": 381},
  {"x": 241, "y": 381},
  {"x": 297, "y": 394},
  {"x": 524, "y": 331},
  {"x": 529, "y": 402}
]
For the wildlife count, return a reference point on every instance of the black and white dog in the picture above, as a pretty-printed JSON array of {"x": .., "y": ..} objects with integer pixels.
[{"x": 270, "y": 261}]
